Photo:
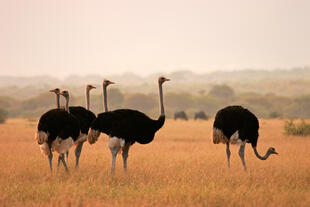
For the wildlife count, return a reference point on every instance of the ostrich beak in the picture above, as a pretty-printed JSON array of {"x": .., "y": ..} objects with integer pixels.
[{"x": 167, "y": 79}]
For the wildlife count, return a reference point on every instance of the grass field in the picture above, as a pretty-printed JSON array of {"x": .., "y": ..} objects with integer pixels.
[{"x": 181, "y": 167}]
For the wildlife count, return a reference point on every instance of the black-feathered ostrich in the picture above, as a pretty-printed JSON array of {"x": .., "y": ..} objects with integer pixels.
[
  {"x": 127, "y": 126},
  {"x": 85, "y": 117},
  {"x": 57, "y": 131},
  {"x": 237, "y": 125}
]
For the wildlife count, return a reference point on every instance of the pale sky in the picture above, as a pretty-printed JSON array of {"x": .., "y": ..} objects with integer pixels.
[{"x": 62, "y": 37}]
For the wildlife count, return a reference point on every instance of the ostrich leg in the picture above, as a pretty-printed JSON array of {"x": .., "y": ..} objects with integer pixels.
[
  {"x": 228, "y": 154},
  {"x": 125, "y": 155},
  {"x": 50, "y": 157},
  {"x": 78, "y": 151},
  {"x": 115, "y": 147},
  {"x": 241, "y": 154},
  {"x": 59, "y": 158},
  {"x": 62, "y": 158}
]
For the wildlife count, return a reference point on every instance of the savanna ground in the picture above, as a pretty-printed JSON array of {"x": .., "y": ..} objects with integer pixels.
[{"x": 181, "y": 167}]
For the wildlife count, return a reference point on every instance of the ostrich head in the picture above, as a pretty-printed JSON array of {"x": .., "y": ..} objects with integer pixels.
[
  {"x": 65, "y": 93},
  {"x": 55, "y": 90},
  {"x": 272, "y": 150},
  {"x": 89, "y": 87},
  {"x": 107, "y": 82},
  {"x": 162, "y": 79}
]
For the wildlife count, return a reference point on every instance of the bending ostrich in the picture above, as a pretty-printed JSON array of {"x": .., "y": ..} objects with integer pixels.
[
  {"x": 180, "y": 115},
  {"x": 57, "y": 131},
  {"x": 237, "y": 125},
  {"x": 127, "y": 126},
  {"x": 201, "y": 115}
]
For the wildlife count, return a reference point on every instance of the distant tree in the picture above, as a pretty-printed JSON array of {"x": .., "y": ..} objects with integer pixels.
[
  {"x": 208, "y": 103},
  {"x": 179, "y": 101},
  {"x": 140, "y": 102},
  {"x": 274, "y": 114},
  {"x": 46, "y": 99},
  {"x": 222, "y": 91},
  {"x": 116, "y": 98},
  {"x": 3, "y": 115}
]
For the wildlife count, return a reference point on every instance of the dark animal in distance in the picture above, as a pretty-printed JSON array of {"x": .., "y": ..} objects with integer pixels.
[
  {"x": 180, "y": 115},
  {"x": 201, "y": 115},
  {"x": 127, "y": 126},
  {"x": 237, "y": 125}
]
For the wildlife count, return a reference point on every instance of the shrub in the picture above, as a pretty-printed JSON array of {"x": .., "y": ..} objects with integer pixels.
[
  {"x": 299, "y": 129},
  {"x": 3, "y": 115}
]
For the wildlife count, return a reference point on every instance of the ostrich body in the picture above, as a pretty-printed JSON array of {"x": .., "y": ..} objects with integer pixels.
[
  {"x": 237, "y": 125},
  {"x": 57, "y": 131},
  {"x": 127, "y": 126},
  {"x": 180, "y": 115}
]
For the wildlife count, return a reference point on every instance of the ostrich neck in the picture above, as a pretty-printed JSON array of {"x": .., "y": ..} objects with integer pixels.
[
  {"x": 162, "y": 109},
  {"x": 105, "y": 98},
  {"x": 57, "y": 101},
  {"x": 259, "y": 156},
  {"x": 67, "y": 104},
  {"x": 87, "y": 98}
]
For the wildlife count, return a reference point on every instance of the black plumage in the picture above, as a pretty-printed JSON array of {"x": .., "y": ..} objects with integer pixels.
[
  {"x": 236, "y": 118},
  {"x": 84, "y": 116},
  {"x": 130, "y": 125},
  {"x": 58, "y": 123},
  {"x": 237, "y": 125}
]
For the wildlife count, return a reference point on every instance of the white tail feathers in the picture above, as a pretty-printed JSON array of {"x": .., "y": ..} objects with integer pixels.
[
  {"x": 41, "y": 137},
  {"x": 62, "y": 145},
  {"x": 218, "y": 136},
  {"x": 45, "y": 149},
  {"x": 116, "y": 142}
]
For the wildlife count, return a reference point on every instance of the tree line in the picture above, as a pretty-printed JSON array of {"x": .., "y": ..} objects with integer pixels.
[{"x": 263, "y": 105}]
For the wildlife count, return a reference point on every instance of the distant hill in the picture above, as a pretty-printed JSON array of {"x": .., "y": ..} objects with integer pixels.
[{"x": 290, "y": 82}]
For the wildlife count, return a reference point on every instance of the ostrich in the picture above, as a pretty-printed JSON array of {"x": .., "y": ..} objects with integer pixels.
[
  {"x": 180, "y": 115},
  {"x": 85, "y": 117},
  {"x": 57, "y": 131},
  {"x": 237, "y": 125},
  {"x": 201, "y": 115},
  {"x": 127, "y": 126}
]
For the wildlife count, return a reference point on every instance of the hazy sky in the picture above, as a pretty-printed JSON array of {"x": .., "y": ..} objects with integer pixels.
[{"x": 61, "y": 37}]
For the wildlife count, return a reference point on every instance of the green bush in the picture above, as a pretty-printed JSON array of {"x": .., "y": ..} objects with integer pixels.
[
  {"x": 3, "y": 115},
  {"x": 299, "y": 129}
]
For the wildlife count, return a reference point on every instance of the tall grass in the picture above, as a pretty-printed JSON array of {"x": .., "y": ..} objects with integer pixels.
[
  {"x": 299, "y": 129},
  {"x": 181, "y": 167}
]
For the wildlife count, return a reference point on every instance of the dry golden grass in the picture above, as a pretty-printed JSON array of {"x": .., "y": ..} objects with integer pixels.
[{"x": 181, "y": 167}]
